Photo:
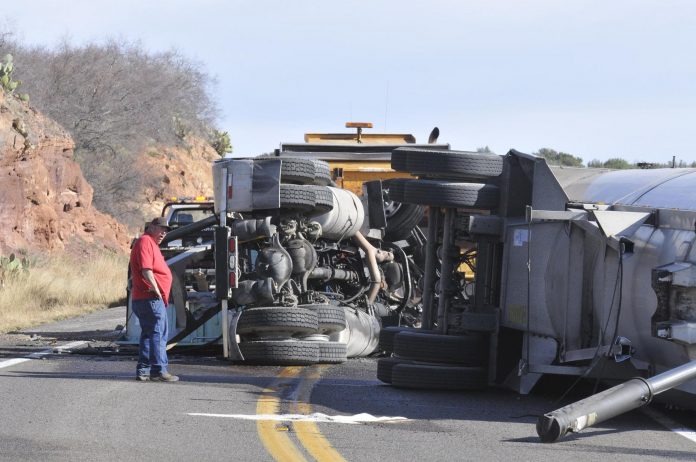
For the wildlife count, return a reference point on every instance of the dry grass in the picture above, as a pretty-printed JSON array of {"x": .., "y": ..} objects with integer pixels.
[{"x": 61, "y": 287}]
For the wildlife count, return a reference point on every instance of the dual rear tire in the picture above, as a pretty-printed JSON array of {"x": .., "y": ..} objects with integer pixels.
[
  {"x": 427, "y": 360},
  {"x": 292, "y": 335}
]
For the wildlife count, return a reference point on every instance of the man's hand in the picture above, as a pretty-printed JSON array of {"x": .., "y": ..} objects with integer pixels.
[
  {"x": 150, "y": 277},
  {"x": 156, "y": 291}
]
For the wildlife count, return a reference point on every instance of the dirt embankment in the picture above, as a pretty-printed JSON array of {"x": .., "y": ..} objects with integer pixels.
[{"x": 45, "y": 202}]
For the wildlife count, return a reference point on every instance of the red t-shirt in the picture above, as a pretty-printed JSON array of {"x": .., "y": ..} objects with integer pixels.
[{"x": 147, "y": 255}]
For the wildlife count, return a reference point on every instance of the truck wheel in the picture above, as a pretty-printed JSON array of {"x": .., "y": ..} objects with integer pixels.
[
  {"x": 399, "y": 160},
  {"x": 385, "y": 366},
  {"x": 331, "y": 318},
  {"x": 297, "y": 197},
  {"x": 394, "y": 189},
  {"x": 296, "y": 170},
  {"x": 452, "y": 164},
  {"x": 280, "y": 352},
  {"x": 387, "y": 335},
  {"x": 432, "y": 377},
  {"x": 323, "y": 199},
  {"x": 332, "y": 353},
  {"x": 401, "y": 217},
  {"x": 322, "y": 176},
  {"x": 448, "y": 194},
  {"x": 277, "y": 319},
  {"x": 467, "y": 350}
]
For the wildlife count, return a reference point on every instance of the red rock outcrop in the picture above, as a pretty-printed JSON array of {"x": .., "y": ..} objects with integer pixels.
[
  {"x": 45, "y": 202},
  {"x": 177, "y": 171}
]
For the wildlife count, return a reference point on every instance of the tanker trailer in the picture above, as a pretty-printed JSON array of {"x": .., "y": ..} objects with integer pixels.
[{"x": 579, "y": 272}]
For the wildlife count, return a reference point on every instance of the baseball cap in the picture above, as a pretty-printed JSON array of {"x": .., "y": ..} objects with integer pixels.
[{"x": 160, "y": 221}]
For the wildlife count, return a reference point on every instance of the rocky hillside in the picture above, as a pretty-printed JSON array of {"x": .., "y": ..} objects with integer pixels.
[
  {"x": 176, "y": 171},
  {"x": 45, "y": 202}
]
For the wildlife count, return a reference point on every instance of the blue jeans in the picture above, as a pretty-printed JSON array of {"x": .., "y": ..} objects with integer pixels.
[{"x": 153, "y": 338}]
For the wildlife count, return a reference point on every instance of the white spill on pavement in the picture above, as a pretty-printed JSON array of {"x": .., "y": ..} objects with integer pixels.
[
  {"x": 40, "y": 354},
  {"x": 316, "y": 417}
]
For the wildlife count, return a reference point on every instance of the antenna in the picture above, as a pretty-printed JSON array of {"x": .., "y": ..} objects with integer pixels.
[{"x": 386, "y": 106}]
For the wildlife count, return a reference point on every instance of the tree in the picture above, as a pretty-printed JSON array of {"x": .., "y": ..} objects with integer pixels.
[
  {"x": 484, "y": 150},
  {"x": 115, "y": 98},
  {"x": 559, "y": 158}
]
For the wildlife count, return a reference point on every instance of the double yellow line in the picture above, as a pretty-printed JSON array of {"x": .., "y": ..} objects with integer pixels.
[{"x": 276, "y": 436}]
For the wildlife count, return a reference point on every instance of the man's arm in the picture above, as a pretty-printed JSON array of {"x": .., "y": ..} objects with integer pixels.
[{"x": 150, "y": 277}]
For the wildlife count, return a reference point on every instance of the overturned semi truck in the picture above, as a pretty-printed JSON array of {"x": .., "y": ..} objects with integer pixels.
[
  {"x": 582, "y": 272},
  {"x": 517, "y": 271}
]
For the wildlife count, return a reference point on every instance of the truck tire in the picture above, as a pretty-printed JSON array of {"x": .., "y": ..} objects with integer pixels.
[
  {"x": 434, "y": 377},
  {"x": 385, "y": 366},
  {"x": 297, "y": 170},
  {"x": 448, "y": 194},
  {"x": 297, "y": 197},
  {"x": 387, "y": 335},
  {"x": 331, "y": 318},
  {"x": 399, "y": 160},
  {"x": 322, "y": 175},
  {"x": 277, "y": 319},
  {"x": 394, "y": 189},
  {"x": 332, "y": 353},
  {"x": 280, "y": 352},
  {"x": 323, "y": 199},
  {"x": 465, "y": 350},
  {"x": 460, "y": 165},
  {"x": 401, "y": 217}
]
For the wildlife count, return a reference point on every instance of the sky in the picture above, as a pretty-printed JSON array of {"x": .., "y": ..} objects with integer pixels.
[{"x": 594, "y": 78}]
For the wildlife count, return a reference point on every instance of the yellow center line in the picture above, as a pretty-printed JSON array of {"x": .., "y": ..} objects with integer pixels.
[
  {"x": 273, "y": 435},
  {"x": 307, "y": 432}
]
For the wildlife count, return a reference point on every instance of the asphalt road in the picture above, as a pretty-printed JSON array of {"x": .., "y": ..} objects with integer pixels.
[{"x": 76, "y": 406}]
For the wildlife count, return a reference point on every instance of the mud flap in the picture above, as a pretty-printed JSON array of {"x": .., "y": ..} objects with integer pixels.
[{"x": 234, "y": 351}]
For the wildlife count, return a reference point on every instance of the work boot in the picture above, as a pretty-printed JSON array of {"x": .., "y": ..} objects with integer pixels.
[{"x": 166, "y": 377}]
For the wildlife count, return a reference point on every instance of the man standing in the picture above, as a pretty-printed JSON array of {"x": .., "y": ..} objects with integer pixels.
[{"x": 151, "y": 283}]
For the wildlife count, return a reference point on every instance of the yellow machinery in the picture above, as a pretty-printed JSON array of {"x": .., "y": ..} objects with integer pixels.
[{"x": 356, "y": 157}]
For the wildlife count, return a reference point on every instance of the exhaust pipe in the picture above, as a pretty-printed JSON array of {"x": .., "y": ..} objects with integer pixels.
[
  {"x": 374, "y": 256},
  {"x": 612, "y": 402}
]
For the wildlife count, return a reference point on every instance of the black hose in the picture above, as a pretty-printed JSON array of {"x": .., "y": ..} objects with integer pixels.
[{"x": 178, "y": 233}]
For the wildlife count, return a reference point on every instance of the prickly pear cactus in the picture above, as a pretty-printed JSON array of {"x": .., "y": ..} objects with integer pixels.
[{"x": 12, "y": 267}]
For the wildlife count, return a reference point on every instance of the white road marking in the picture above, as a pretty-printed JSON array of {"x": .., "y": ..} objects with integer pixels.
[
  {"x": 13, "y": 361},
  {"x": 671, "y": 424},
  {"x": 40, "y": 354},
  {"x": 316, "y": 417}
]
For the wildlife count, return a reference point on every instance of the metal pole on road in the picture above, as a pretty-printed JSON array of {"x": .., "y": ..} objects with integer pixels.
[{"x": 612, "y": 402}]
